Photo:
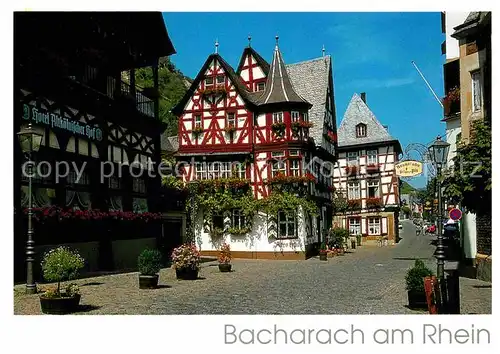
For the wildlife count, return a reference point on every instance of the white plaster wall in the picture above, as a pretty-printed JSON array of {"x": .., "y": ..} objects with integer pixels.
[
  {"x": 261, "y": 120},
  {"x": 245, "y": 73},
  {"x": 453, "y": 128},
  {"x": 453, "y": 19}
]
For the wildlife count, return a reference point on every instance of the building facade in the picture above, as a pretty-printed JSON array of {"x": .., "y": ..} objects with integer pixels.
[
  {"x": 365, "y": 175},
  {"x": 266, "y": 125},
  {"x": 104, "y": 129}
]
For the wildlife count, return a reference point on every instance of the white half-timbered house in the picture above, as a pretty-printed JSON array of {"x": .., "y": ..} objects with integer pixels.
[{"x": 365, "y": 174}]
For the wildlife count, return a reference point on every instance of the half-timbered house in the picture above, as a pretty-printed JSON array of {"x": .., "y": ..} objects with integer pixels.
[
  {"x": 263, "y": 123},
  {"x": 68, "y": 82},
  {"x": 365, "y": 174}
]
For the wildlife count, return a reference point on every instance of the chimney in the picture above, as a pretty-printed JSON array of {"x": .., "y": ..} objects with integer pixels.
[
  {"x": 386, "y": 127},
  {"x": 363, "y": 96}
]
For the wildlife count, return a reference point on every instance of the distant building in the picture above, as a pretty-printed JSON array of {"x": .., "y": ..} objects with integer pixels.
[{"x": 365, "y": 174}]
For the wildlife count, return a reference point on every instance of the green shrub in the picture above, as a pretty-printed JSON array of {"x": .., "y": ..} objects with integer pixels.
[
  {"x": 61, "y": 264},
  {"x": 149, "y": 262},
  {"x": 415, "y": 276},
  {"x": 338, "y": 236}
]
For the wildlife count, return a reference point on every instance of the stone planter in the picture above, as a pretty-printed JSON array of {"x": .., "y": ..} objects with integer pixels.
[
  {"x": 59, "y": 305},
  {"x": 225, "y": 267},
  {"x": 323, "y": 256},
  {"x": 148, "y": 281},
  {"x": 417, "y": 299},
  {"x": 186, "y": 273}
]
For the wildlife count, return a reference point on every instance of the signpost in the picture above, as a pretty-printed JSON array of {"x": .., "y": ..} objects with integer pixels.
[{"x": 455, "y": 214}]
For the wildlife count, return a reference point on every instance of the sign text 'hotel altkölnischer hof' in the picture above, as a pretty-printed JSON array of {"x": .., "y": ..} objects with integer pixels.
[{"x": 54, "y": 120}]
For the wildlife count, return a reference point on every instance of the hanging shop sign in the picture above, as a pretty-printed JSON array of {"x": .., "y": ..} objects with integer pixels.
[
  {"x": 53, "y": 120},
  {"x": 409, "y": 168}
]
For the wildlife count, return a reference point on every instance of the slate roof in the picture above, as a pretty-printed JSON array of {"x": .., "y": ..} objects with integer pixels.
[
  {"x": 279, "y": 87},
  {"x": 310, "y": 80},
  {"x": 169, "y": 144},
  {"x": 358, "y": 112}
]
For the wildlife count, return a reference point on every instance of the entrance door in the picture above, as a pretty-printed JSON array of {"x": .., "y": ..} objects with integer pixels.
[{"x": 171, "y": 237}]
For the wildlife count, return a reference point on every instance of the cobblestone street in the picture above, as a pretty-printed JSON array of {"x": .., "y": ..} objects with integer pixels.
[{"x": 368, "y": 281}]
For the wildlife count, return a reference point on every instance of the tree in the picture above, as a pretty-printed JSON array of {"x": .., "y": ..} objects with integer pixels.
[{"x": 468, "y": 180}]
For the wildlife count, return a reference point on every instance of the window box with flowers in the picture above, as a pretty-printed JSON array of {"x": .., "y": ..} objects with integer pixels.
[
  {"x": 451, "y": 102},
  {"x": 331, "y": 137},
  {"x": 372, "y": 168},
  {"x": 214, "y": 90},
  {"x": 351, "y": 170},
  {"x": 278, "y": 128},
  {"x": 197, "y": 131},
  {"x": 354, "y": 204},
  {"x": 224, "y": 258},
  {"x": 186, "y": 261},
  {"x": 300, "y": 125},
  {"x": 374, "y": 202}
]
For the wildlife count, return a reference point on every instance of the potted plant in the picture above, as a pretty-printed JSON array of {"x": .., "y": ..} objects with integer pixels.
[
  {"x": 149, "y": 263},
  {"x": 415, "y": 284},
  {"x": 61, "y": 264},
  {"x": 323, "y": 252},
  {"x": 186, "y": 262},
  {"x": 224, "y": 258}
]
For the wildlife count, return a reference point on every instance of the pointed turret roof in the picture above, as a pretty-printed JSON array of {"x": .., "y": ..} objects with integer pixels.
[
  {"x": 358, "y": 112},
  {"x": 279, "y": 88}
]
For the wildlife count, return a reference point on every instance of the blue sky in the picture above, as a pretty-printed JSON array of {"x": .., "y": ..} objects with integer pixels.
[{"x": 372, "y": 53}]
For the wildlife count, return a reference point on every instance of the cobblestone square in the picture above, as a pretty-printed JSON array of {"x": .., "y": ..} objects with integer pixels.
[{"x": 370, "y": 280}]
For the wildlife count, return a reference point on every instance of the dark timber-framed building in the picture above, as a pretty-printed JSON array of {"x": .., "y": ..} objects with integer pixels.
[{"x": 68, "y": 79}]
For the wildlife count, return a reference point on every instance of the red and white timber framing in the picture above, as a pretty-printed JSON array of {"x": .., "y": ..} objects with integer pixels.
[{"x": 251, "y": 73}]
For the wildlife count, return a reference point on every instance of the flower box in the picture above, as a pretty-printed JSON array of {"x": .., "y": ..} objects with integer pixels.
[
  {"x": 197, "y": 130},
  {"x": 354, "y": 203},
  {"x": 278, "y": 128},
  {"x": 214, "y": 90},
  {"x": 230, "y": 129},
  {"x": 372, "y": 168}
]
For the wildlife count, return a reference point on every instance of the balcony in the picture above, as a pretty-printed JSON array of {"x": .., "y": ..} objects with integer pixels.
[
  {"x": 142, "y": 103},
  {"x": 120, "y": 91}
]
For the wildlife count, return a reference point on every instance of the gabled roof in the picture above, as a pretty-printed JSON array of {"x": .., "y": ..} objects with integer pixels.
[
  {"x": 358, "y": 112},
  {"x": 264, "y": 65},
  {"x": 310, "y": 79},
  {"x": 279, "y": 87},
  {"x": 235, "y": 80}
]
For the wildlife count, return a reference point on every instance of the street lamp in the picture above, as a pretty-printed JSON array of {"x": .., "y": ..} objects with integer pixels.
[
  {"x": 438, "y": 152},
  {"x": 30, "y": 138}
]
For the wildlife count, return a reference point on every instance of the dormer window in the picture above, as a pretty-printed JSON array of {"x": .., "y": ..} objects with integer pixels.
[
  {"x": 261, "y": 86},
  {"x": 220, "y": 79},
  {"x": 209, "y": 81},
  {"x": 361, "y": 130}
]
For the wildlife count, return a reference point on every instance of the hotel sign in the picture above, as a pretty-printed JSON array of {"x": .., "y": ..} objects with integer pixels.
[
  {"x": 409, "y": 168},
  {"x": 53, "y": 120}
]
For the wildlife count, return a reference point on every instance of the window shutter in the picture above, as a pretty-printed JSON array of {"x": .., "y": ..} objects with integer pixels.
[{"x": 384, "y": 226}]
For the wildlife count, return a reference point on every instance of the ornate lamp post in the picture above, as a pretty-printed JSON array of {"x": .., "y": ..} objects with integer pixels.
[
  {"x": 30, "y": 138},
  {"x": 438, "y": 152}
]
